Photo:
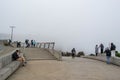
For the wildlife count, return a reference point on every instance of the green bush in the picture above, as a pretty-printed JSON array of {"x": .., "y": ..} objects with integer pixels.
[
  {"x": 67, "y": 54},
  {"x": 63, "y": 54},
  {"x": 92, "y": 55},
  {"x": 80, "y": 54},
  {"x": 117, "y": 54}
]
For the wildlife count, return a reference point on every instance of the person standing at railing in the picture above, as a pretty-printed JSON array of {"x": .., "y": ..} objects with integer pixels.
[
  {"x": 73, "y": 52},
  {"x": 9, "y": 42},
  {"x": 31, "y": 43},
  {"x": 101, "y": 48},
  {"x": 18, "y": 44},
  {"x": 27, "y": 43},
  {"x": 113, "y": 48},
  {"x": 34, "y": 43},
  {"x": 96, "y": 50}
]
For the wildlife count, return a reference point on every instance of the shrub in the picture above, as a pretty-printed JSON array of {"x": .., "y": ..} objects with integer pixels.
[
  {"x": 6, "y": 44},
  {"x": 116, "y": 51},
  {"x": 80, "y": 54},
  {"x": 117, "y": 54},
  {"x": 66, "y": 54},
  {"x": 63, "y": 53},
  {"x": 92, "y": 55}
]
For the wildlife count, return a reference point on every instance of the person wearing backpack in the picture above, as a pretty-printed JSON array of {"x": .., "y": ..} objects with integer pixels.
[
  {"x": 73, "y": 51},
  {"x": 101, "y": 48},
  {"x": 113, "y": 48}
]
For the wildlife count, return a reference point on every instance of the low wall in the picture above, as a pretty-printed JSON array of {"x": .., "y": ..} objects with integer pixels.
[
  {"x": 113, "y": 60},
  {"x": 2, "y": 42},
  {"x": 7, "y": 66},
  {"x": 55, "y": 53},
  {"x": 1, "y": 47}
]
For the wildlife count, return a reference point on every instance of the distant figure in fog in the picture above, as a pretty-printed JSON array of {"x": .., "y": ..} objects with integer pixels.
[
  {"x": 18, "y": 44},
  {"x": 108, "y": 55},
  {"x": 9, "y": 42},
  {"x": 27, "y": 43},
  {"x": 73, "y": 51},
  {"x": 113, "y": 48},
  {"x": 101, "y": 48},
  {"x": 96, "y": 50},
  {"x": 34, "y": 43},
  {"x": 31, "y": 43}
]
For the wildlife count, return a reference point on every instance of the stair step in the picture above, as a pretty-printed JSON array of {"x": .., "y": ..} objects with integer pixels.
[{"x": 38, "y": 54}]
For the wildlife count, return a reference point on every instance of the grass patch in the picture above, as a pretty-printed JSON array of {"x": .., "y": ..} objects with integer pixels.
[{"x": 117, "y": 54}]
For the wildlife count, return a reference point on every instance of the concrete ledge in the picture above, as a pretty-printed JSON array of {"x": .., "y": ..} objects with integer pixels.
[
  {"x": 13, "y": 65},
  {"x": 55, "y": 53},
  {"x": 113, "y": 60},
  {"x": 7, "y": 66},
  {"x": 96, "y": 58},
  {"x": 4, "y": 73}
]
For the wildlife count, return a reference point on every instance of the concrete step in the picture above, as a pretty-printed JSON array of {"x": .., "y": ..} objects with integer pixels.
[{"x": 38, "y": 54}]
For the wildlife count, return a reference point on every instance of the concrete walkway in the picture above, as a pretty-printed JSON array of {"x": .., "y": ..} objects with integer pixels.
[{"x": 68, "y": 69}]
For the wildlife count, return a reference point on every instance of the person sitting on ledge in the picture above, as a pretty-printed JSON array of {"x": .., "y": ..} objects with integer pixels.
[{"x": 17, "y": 55}]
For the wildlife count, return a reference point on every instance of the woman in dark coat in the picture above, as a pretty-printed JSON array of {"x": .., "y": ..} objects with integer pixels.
[{"x": 73, "y": 52}]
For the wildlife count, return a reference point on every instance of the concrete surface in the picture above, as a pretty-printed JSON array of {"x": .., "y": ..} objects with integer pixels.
[
  {"x": 56, "y": 54},
  {"x": 6, "y": 50},
  {"x": 37, "y": 54},
  {"x": 68, "y": 69}
]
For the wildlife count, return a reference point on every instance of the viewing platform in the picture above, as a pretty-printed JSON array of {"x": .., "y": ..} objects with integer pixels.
[{"x": 45, "y": 63}]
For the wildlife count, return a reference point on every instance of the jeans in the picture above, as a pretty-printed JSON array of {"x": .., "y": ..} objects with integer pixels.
[{"x": 108, "y": 59}]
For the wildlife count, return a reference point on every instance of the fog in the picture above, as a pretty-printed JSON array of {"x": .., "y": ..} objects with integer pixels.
[{"x": 70, "y": 23}]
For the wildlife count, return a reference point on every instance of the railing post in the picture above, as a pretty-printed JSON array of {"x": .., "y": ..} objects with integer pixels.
[
  {"x": 44, "y": 45},
  {"x": 40, "y": 45},
  {"x": 48, "y": 45},
  {"x": 53, "y": 45}
]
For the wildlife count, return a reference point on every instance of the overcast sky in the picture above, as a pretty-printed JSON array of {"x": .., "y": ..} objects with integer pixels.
[{"x": 70, "y": 23}]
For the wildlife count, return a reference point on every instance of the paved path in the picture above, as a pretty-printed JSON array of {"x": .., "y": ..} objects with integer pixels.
[{"x": 68, "y": 69}]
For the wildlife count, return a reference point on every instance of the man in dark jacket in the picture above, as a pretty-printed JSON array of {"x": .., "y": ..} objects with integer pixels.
[
  {"x": 101, "y": 48},
  {"x": 108, "y": 55},
  {"x": 73, "y": 52},
  {"x": 15, "y": 55},
  {"x": 113, "y": 48}
]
